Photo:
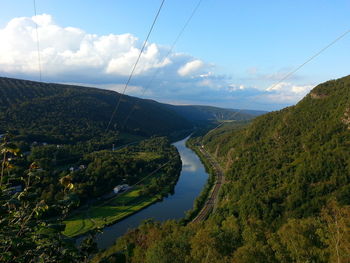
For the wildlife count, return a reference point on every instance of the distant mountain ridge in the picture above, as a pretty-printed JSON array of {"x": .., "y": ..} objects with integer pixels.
[
  {"x": 65, "y": 113},
  {"x": 204, "y": 113}
]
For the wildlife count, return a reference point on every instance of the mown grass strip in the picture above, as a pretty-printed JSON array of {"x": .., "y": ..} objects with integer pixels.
[{"x": 107, "y": 213}]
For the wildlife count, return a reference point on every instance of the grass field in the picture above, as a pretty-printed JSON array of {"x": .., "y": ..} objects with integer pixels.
[
  {"x": 147, "y": 156},
  {"x": 106, "y": 213}
]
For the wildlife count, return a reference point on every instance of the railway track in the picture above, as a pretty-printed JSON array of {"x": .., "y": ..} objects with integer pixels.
[{"x": 211, "y": 201}]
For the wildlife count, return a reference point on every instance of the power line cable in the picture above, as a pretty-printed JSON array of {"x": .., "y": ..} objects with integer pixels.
[
  {"x": 165, "y": 57},
  {"x": 310, "y": 59},
  {"x": 37, "y": 41},
  {"x": 220, "y": 124},
  {"x": 135, "y": 65},
  {"x": 151, "y": 173}
]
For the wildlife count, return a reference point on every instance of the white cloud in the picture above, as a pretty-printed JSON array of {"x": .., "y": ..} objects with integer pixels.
[
  {"x": 234, "y": 87},
  {"x": 277, "y": 86},
  {"x": 287, "y": 92},
  {"x": 69, "y": 49},
  {"x": 301, "y": 89},
  {"x": 191, "y": 68},
  {"x": 205, "y": 75},
  {"x": 71, "y": 55},
  {"x": 132, "y": 90},
  {"x": 189, "y": 164}
]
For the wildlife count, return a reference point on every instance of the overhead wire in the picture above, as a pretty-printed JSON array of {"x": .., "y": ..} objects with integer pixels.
[
  {"x": 165, "y": 57},
  {"x": 293, "y": 71},
  {"x": 168, "y": 54},
  {"x": 134, "y": 67},
  {"x": 220, "y": 124},
  {"x": 310, "y": 59},
  {"x": 151, "y": 173},
  {"x": 37, "y": 42},
  {"x": 125, "y": 87}
]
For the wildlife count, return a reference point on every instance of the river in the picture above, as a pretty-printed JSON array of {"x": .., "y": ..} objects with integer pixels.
[{"x": 191, "y": 181}]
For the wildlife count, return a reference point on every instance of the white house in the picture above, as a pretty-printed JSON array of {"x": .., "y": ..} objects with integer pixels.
[{"x": 120, "y": 188}]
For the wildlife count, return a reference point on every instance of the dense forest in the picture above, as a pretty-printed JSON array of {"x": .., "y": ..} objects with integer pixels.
[
  {"x": 66, "y": 114},
  {"x": 92, "y": 174},
  {"x": 286, "y": 197},
  {"x": 56, "y": 113}
]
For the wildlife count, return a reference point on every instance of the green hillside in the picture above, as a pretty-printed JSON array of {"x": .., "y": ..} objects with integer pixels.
[
  {"x": 287, "y": 191},
  {"x": 290, "y": 165},
  {"x": 56, "y": 113},
  {"x": 297, "y": 158},
  {"x": 63, "y": 113}
]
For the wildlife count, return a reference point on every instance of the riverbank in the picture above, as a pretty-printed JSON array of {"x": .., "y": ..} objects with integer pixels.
[
  {"x": 172, "y": 207},
  {"x": 150, "y": 188},
  {"x": 200, "y": 201},
  {"x": 108, "y": 212},
  {"x": 126, "y": 204},
  {"x": 194, "y": 165}
]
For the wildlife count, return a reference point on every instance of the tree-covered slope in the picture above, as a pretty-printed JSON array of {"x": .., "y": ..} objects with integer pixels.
[
  {"x": 289, "y": 165},
  {"x": 291, "y": 162},
  {"x": 286, "y": 196},
  {"x": 66, "y": 113}
]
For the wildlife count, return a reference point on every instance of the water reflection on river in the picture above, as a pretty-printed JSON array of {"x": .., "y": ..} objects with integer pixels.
[{"x": 190, "y": 184}]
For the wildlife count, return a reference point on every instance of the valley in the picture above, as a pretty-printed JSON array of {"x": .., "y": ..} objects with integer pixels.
[
  {"x": 75, "y": 170},
  {"x": 174, "y": 132},
  {"x": 285, "y": 197},
  {"x": 286, "y": 174}
]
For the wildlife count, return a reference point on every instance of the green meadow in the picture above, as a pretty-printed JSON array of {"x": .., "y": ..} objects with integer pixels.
[{"x": 107, "y": 212}]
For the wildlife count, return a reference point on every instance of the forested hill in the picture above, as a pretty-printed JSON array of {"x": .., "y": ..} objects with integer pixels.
[
  {"x": 199, "y": 113},
  {"x": 286, "y": 196},
  {"x": 291, "y": 164},
  {"x": 69, "y": 113},
  {"x": 65, "y": 113}
]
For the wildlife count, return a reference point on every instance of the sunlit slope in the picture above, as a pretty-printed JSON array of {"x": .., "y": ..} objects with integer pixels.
[{"x": 289, "y": 163}]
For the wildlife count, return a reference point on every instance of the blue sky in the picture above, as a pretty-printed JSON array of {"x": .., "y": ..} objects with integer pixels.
[{"x": 230, "y": 55}]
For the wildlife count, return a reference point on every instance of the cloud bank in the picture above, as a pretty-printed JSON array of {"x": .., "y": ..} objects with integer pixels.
[
  {"x": 71, "y": 55},
  {"x": 69, "y": 48}
]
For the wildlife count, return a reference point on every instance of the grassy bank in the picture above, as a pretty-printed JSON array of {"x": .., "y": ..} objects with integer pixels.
[
  {"x": 107, "y": 213},
  {"x": 201, "y": 199},
  {"x": 121, "y": 206}
]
